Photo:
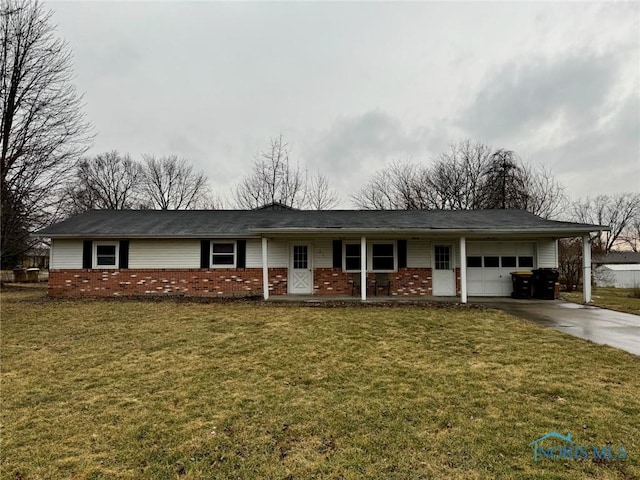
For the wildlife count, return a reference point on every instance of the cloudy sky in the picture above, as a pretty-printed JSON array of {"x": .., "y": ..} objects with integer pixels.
[{"x": 352, "y": 86}]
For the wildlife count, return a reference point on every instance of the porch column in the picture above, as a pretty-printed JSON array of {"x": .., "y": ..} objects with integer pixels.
[
  {"x": 265, "y": 269},
  {"x": 463, "y": 270},
  {"x": 363, "y": 267},
  {"x": 586, "y": 268}
]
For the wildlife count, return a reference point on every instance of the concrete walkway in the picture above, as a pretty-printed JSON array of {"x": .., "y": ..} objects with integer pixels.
[{"x": 619, "y": 330}]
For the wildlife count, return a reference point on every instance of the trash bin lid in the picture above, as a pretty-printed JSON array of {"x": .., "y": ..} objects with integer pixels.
[{"x": 522, "y": 273}]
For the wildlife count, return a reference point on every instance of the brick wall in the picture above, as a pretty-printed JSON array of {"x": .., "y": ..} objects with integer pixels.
[
  {"x": 213, "y": 282},
  {"x": 220, "y": 282},
  {"x": 412, "y": 282},
  {"x": 404, "y": 282}
]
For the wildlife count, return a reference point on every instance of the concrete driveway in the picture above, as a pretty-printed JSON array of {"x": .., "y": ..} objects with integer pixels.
[{"x": 619, "y": 330}]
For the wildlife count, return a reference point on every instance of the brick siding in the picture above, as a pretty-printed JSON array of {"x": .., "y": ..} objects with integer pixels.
[
  {"x": 404, "y": 282},
  {"x": 223, "y": 282},
  {"x": 203, "y": 282}
]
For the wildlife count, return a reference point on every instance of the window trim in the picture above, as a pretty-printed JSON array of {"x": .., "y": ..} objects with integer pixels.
[
  {"x": 223, "y": 242},
  {"x": 110, "y": 243}
]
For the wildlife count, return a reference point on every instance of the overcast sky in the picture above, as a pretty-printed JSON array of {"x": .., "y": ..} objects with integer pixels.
[{"x": 352, "y": 86}]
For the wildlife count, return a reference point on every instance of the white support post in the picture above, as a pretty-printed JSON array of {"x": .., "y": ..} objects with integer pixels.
[
  {"x": 363, "y": 268},
  {"x": 265, "y": 269},
  {"x": 586, "y": 268},
  {"x": 463, "y": 270}
]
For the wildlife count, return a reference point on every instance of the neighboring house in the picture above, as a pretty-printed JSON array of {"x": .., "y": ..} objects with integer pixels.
[
  {"x": 289, "y": 252},
  {"x": 36, "y": 258},
  {"x": 617, "y": 269}
]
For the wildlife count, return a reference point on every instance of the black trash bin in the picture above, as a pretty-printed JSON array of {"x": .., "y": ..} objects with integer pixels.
[
  {"x": 522, "y": 286},
  {"x": 544, "y": 283},
  {"x": 19, "y": 274}
]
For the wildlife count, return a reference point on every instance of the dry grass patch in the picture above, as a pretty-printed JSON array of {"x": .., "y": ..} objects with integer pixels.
[
  {"x": 107, "y": 389},
  {"x": 619, "y": 299}
]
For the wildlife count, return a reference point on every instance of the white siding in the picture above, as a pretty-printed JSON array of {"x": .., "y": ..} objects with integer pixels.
[
  {"x": 619, "y": 276},
  {"x": 254, "y": 253},
  {"x": 66, "y": 254},
  {"x": 418, "y": 254},
  {"x": 277, "y": 251},
  {"x": 164, "y": 254},
  {"x": 547, "y": 253},
  {"x": 323, "y": 253}
]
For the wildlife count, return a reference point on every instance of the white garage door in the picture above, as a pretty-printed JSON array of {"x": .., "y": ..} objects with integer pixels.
[{"x": 489, "y": 265}]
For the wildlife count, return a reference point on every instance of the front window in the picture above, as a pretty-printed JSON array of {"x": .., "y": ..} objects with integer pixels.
[
  {"x": 223, "y": 254},
  {"x": 105, "y": 255},
  {"x": 382, "y": 257},
  {"x": 352, "y": 257}
]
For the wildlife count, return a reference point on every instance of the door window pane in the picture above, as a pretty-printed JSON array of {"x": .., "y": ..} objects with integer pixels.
[
  {"x": 300, "y": 256},
  {"x": 443, "y": 257}
]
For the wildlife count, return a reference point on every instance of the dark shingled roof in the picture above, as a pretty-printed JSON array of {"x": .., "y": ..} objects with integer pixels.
[
  {"x": 620, "y": 258},
  {"x": 211, "y": 223}
]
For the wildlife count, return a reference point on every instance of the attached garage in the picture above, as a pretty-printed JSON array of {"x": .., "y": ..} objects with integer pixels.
[{"x": 489, "y": 266}]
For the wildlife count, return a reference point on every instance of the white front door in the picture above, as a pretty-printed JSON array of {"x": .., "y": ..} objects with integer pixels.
[
  {"x": 444, "y": 278},
  {"x": 300, "y": 272}
]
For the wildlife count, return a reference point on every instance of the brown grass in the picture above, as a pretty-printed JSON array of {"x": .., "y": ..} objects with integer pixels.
[{"x": 106, "y": 389}]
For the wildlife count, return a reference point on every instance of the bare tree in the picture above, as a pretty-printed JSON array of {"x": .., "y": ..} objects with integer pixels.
[
  {"x": 455, "y": 180},
  {"x": 42, "y": 129},
  {"x": 452, "y": 182},
  {"x": 632, "y": 235},
  {"x": 108, "y": 181},
  {"x": 169, "y": 183},
  {"x": 570, "y": 262},
  {"x": 320, "y": 193},
  {"x": 272, "y": 180},
  {"x": 546, "y": 196},
  {"x": 467, "y": 176},
  {"x": 619, "y": 212},
  {"x": 395, "y": 187}
]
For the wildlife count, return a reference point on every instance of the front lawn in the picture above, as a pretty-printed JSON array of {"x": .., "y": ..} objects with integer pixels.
[
  {"x": 163, "y": 390},
  {"x": 620, "y": 299}
]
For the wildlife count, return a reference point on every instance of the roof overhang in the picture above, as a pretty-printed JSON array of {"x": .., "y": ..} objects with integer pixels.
[{"x": 353, "y": 232}]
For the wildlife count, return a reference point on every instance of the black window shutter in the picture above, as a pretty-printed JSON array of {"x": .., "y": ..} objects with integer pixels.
[
  {"x": 402, "y": 254},
  {"x": 123, "y": 260},
  {"x": 205, "y": 253},
  {"x": 241, "y": 254},
  {"x": 87, "y": 254},
  {"x": 337, "y": 254}
]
